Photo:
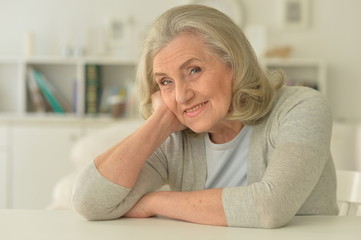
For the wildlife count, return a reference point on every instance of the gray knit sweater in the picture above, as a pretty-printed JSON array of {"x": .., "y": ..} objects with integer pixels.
[{"x": 290, "y": 169}]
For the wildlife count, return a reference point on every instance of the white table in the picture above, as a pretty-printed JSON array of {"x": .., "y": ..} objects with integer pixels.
[{"x": 67, "y": 225}]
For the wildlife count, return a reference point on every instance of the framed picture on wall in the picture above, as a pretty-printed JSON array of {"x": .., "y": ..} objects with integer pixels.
[
  {"x": 296, "y": 14},
  {"x": 121, "y": 35}
]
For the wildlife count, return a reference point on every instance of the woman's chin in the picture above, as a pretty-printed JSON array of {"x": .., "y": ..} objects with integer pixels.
[
  {"x": 197, "y": 129},
  {"x": 199, "y": 126}
]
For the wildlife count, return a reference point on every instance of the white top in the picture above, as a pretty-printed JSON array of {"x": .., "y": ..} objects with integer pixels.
[
  {"x": 60, "y": 225},
  {"x": 227, "y": 162}
]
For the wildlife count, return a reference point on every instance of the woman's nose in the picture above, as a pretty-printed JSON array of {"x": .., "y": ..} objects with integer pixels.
[{"x": 183, "y": 93}]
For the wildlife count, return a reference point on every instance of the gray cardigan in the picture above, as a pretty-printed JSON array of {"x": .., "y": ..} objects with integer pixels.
[{"x": 290, "y": 169}]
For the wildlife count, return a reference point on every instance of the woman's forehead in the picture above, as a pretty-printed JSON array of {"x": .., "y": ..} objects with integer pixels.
[{"x": 182, "y": 48}]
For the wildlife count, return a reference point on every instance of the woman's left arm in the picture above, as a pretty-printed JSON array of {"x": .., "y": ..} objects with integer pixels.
[
  {"x": 204, "y": 207},
  {"x": 299, "y": 176}
]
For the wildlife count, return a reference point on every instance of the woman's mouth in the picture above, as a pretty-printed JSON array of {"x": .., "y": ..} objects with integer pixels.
[{"x": 195, "y": 110}]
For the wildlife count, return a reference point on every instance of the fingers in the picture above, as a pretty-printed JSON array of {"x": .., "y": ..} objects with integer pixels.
[
  {"x": 159, "y": 104},
  {"x": 157, "y": 100}
]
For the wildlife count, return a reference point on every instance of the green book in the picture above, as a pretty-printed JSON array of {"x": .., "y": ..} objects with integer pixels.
[
  {"x": 93, "y": 88},
  {"x": 35, "y": 92},
  {"x": 47, "y": 92}
]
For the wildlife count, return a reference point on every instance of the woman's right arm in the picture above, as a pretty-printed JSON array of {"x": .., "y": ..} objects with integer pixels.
[
  {"x": 122, "y": 163},
  {"x": 101, "y": 189}
]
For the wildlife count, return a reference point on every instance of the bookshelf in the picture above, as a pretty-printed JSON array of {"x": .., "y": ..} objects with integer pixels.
[
  {"x": 303, "y": 72},
  {"x": 66, "y": 75},
  {"x": 31, "y": 140}
]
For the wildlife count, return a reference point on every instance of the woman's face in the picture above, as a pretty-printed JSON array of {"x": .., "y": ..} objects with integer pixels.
[{"x": 194, "y": 83}]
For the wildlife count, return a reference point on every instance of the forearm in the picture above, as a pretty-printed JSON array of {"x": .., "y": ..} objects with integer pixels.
[
  {"x": 122, "y": 163},
  {"x": 204, "y": 207}
]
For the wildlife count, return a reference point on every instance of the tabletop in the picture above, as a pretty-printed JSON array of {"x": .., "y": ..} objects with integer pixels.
[{"x": 67, "y": 225}]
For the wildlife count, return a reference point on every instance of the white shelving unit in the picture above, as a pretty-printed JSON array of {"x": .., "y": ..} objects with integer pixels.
[
  {"x": 305, "y": 72},
  {"x": 35, "y": 147},
  {"x": 68, "y": 77},
  {"x": 66, "y": 74}
]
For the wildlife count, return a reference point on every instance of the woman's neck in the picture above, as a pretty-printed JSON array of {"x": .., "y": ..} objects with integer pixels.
[{"x": 225, "y": 131}]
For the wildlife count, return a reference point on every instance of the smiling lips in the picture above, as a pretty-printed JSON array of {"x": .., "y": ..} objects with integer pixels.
[{"x": 195, "y": 110}]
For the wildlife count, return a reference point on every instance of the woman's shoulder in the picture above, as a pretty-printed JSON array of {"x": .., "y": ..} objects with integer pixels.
[
  {"x": 290, "y": 96},
  {"x": 299, "y": 103},
  {"x": 297, "y": 93}
]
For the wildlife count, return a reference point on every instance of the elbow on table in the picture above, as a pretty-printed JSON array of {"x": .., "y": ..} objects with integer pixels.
[
  {"x": 85, "y": 213},
  {"x": 267, "y": 220},
  {"x": 94, "y": 212},
  {"x": 275, "y": 219},
  {"x": 273, "y": 222}
]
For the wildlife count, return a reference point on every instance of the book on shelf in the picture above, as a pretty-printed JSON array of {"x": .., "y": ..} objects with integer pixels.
[
  {"x": 35, "y": 93},
  {"x": 50, "y": 94},
  {"x": 93, "y": 88},
  {"x": 120, "y": 94}
]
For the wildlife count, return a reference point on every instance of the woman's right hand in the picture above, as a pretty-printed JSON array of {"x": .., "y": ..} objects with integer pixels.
[
  {"x": 160, "y": 107},
  {"x": 122, "y": 163}
]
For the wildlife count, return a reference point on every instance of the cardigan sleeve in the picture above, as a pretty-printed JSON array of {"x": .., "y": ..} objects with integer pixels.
[
  {"x": 96, "y": 198},
  {"x": 300, "y": 138}
]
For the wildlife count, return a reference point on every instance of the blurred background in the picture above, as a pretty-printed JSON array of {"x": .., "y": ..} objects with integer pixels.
[{"x": 87, "y": 51}]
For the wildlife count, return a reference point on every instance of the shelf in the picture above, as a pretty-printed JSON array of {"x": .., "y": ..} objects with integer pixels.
[
  {"x": 66, "y": 75},
  {"x": 66, "y": 60},
  {"x": 107, "y": 61},
  {"x": 65, "y": 118},
  {"x": 297, "y": 62},
  {"x": 305, "y": 72}
]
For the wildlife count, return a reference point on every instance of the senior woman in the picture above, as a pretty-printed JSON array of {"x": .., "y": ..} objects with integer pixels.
[{"x": 235, "y": 146}]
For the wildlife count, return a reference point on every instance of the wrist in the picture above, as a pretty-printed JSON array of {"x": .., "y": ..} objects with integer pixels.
[
  {"x": 167, "y": 120},
  {"x": 151, "y": 203}
]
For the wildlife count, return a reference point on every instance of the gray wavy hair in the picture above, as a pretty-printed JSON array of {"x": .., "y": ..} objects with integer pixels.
[{"x": 253, "y": 88}]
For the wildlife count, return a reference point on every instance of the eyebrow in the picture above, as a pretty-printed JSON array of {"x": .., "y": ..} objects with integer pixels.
[{"x": 182, "y": 66}]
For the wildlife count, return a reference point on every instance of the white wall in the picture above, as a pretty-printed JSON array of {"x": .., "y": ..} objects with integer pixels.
[
  {"x": 58, "y": 22},
  {"x": 334, "y": 34}
]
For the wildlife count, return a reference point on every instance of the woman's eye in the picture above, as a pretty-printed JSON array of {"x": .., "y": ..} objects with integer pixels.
[
  {"x": 165, "y": 82},
  {"x": 195, "y": 70}
]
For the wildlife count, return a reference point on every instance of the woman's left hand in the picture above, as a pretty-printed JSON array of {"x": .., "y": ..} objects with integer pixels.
[
  {"x": 142, "y": 208},
  {"x": 204, "y": 206}
]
